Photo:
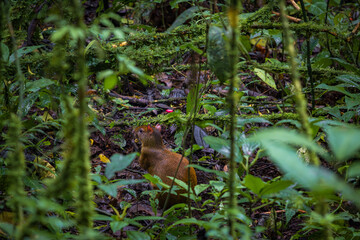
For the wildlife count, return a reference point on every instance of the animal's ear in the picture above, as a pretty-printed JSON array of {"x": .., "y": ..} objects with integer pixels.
[
  {"x": 149, "y": 129},
  {"x": 158, "y": 127}
]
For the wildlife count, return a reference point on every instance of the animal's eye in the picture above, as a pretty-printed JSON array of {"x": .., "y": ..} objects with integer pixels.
[{"x": 141, "y": 130}]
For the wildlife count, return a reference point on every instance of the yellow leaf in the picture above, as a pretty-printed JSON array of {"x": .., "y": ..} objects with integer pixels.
[
  {"x": 258, "y": 41},
  {"x": 123, "y": 44},
  {"x": 7, "y": 217},
  {"x": 46, "y": 171},
  {"x": 30, "y": 71},
  {"x": 46, "y": 116},
  {"x": 260, "y": 114},
  {"x": 91, "y": 141},
  {"x": 103, "y": 158}
]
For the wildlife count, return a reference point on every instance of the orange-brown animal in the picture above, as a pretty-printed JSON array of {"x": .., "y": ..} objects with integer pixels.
[{"x": 160, "y": 161}]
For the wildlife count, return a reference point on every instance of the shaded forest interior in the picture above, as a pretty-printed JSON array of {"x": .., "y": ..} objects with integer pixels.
[{"x": 246, "y": 111}]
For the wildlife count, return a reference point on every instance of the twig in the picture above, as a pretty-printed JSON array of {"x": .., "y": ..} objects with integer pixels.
[
  {"x": 294, "y": 19},
  {"x": 295, "y": 4}
]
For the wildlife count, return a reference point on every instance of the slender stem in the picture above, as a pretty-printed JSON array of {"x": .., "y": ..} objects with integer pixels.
[
  {"x": 233, "y": 19},
  {"x": 308, "y": 64},
  {"x": 19, "y": 74},
  {"x": 301, "y": 103}
]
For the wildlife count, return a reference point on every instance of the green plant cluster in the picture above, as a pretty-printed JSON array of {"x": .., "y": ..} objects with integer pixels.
[{"x": 50, "y": 190}]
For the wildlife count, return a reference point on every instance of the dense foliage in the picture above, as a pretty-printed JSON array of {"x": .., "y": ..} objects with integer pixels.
[{"x": 262, "y": 97}]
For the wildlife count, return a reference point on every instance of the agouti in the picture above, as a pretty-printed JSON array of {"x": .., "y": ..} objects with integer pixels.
[{"x": 160, "y": 161}]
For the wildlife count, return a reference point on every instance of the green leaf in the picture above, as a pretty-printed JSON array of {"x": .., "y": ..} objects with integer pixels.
[
  {"x": 222, "y": 146},
  {"x": 28, "y": 103},
  {"x": 184, "y": 16},
  {"x": 186, "y": 221},
  {"x": 5, "y": 52},
  {"x": 118, "y": 163},
  {"x": 317, "y": 7},
  {"x": 351, "y": 80},
  {"x": 103, "y": 74},
  {"x": 344, "y": 142},
  {"x": 8, "y": 228},
  {"x": 354, "y": 169},
  {"x": 100, "y": 217},
  {"x": 136, "y": 235},
  {"x": 348, "y": 66},
  {"x": 218, "y": 56},
  {"x": 200, "y": 188},
  {"x": 288, "y": 136},
  {"x": 317, "y": 179},
  {"x": 216, "y": 172},
  {"x": 335, "y": 88},
  {"x": 255, "y": 184},
  {"x": 147, "y": 218},
  {"x": 219, "y": 144},
  {"x": 242, "y": 121},
  {"x": 117, "y": 225},
  {"x": 351, "y": 102},
  {"x": 110, "y": 82},
  {"x": 22, "y": 51},
  {"x": 112, "y": 188},
  {"x": 265, "y": 77},
  {"x": 35, "y": 86},
  {"x": 275, "y": 187},
  {"x": 191, "y": 100}
]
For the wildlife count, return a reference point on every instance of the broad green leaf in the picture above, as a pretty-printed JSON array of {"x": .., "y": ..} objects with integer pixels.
[
  {"x": 351, "y": 102},
  {"x": 255, "y": 184},
  {"x": 216, "y": 172},
  {"x": 317, "y": 179},
  {"x": 345, "y": 64},
  {"x": 351, "y": 80},
  {"x": 186, "y": 221},
  {"x": 289, "y": 213},
  {"x": 296, "y": 123},
  {"x": 118, "y": 225},
  {"x": 275, "y": 187},
  {"x": 22, "y": 51},
  {"x": 36, "y": 85},
  {"x": 344, "y": 142},
  {"x": 265, "y": 77},
  {"x": 118, "y": 163},
  {"x": 4, "y": 52},
  {"x": 100, "y": 217},
  {"x": 103, "y": 74},
  {"x": 146, "y": 218},
  {"x": 58, "y": 224},
  {"x": 317, "y": 7},
  {"x": 222, "y": 146},
  {"x": 217, "y": 54},
  {"x": 184, "y": 16},
  {"x": 137, "y": 235},
  {"x": 288, "y": 136},
  {"x": 219, "y": 144},
  {"x": 8, "y": 228},
  {"x": 354, "y": 169},
  {"x": 126, "y": 65},
  {"x": 218, "y": 185},
  {"x": 200, "y": 188},
  {"x": 242, "y": 121},
  {"x": 28, "y": 103},
  {"x": 335, "y": 88},
  {"x": 112, "y": 188},
  {"x": 110, "y": 82}
]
